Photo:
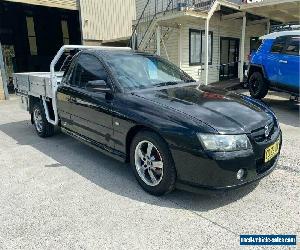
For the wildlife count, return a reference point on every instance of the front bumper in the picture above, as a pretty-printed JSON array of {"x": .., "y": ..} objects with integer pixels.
[{"x": 218, "y": 171}]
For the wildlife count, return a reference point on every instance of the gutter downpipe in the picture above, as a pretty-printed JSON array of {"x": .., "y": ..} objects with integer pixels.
[{"x": 81, "y": 22}]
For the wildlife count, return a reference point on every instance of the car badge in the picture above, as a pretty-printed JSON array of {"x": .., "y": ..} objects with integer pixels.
[{"x": 267, "y": 131}]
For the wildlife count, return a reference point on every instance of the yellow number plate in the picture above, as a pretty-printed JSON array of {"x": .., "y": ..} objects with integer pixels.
[{"x": 272, "y": 151}]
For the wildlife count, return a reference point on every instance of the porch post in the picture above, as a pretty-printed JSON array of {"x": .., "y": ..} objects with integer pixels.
[
  {"x": 180, "y": 46},
  {"x": 268, "y": 26},
  {"x": 242, "y": 60},
  {"x": 133, "y": 41},
  {"x": 206, "y": 50},
  {"x": 2, "y": 94},
  {"x": 158, "y": 39}
]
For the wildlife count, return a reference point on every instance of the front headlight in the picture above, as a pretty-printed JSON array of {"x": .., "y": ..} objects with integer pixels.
[{"x": 220, "y": 143}]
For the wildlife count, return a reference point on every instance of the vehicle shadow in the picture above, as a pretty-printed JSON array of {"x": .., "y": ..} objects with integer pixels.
[
  {"x": 286, "y": 111},
  {"x": 110, "y": 174}
]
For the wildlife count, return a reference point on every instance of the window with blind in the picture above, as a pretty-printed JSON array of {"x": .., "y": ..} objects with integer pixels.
[
  {"x": 65, "y": 32},
  {"x": 197, "y": 47},
  {"x": 31, "y": 35}
]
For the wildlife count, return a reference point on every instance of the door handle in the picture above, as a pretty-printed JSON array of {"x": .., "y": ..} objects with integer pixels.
[{"x": 283, "y": 61}]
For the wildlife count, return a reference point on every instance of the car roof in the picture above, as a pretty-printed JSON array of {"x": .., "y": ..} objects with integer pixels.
[
  {"x": 280, "y": 33},
  {"x": 108, "y": 53}
]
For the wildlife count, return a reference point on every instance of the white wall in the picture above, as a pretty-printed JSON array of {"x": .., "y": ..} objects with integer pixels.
[
  {"x": 171, "y": 47},
  {"x": 106, "y": 19}
]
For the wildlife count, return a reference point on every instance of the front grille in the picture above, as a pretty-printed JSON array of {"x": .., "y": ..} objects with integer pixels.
[
  {"x": 259, "y": 134},
  {"x": 260, "y": 142}
]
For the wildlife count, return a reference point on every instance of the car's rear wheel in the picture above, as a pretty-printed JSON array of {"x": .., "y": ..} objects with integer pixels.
[
  {"x": 258, "y": 86},
  {"x": 42, "y": 126},
  {"x": 152, "y": 163}
]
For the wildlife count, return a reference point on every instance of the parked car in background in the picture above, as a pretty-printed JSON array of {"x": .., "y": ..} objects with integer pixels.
[{"x": 275, "y": 65}]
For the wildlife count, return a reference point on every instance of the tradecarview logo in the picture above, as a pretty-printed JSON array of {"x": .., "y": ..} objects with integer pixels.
[{"x": 271, "y": 240}]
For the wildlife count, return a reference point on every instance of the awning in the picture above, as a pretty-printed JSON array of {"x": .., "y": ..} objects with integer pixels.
[
  {"x": 63, "y": 4},
  {"x": 284, "y": 11}
]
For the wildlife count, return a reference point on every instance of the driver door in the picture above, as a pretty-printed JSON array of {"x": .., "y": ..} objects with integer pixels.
[{"x": 91, "y": 112}]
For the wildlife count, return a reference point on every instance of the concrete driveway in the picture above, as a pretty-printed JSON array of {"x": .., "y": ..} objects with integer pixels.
[{"x": 58, "y": 193}]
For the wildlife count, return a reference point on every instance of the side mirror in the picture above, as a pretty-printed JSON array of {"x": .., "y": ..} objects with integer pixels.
[{"x": 97, "y": 86}]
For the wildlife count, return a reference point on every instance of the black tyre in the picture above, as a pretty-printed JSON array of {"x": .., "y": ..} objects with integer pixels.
[
  {"x": 42, "y": 126},
  {"x": 258, "y": 86},
  {"x": 152, "y": 163}
]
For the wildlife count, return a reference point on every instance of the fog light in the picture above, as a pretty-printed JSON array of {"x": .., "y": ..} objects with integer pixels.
[{"x": 240, "y": 174}]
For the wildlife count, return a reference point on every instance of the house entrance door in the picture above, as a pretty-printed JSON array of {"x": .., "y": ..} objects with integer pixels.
[{"x": 229, "y": 58}]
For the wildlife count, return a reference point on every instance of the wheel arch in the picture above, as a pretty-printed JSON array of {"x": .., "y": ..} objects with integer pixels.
[
  {"x": 133, "y": 132},
  {"x": 257, "y": 68}
]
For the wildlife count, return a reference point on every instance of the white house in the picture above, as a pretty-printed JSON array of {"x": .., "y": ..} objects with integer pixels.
[{"x": 176, "y": 30}]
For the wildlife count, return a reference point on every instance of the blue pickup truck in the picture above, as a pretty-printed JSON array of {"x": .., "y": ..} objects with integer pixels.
[{"x": 275, "y": 65}]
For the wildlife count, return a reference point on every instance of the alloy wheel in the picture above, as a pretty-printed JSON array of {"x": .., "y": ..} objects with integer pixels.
[
  {"x": 38, "y": 120},
  {"x": 148, "y": 163}
]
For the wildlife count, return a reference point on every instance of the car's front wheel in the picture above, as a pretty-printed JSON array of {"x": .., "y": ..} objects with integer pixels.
[
  {"x": 152, "y": 163},
  {"x": 258, "y": 86}
]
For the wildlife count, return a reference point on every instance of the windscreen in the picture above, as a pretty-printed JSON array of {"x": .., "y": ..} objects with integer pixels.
[{"x": 139, "y": 71}]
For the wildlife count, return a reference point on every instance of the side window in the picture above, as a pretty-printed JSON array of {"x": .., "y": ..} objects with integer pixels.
[
  {"x": 88, "y": 68},
  {"x": 292, "y": 47},
  {"x": 254, "y": 44},
  {"x": 278, "y": 44}
]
